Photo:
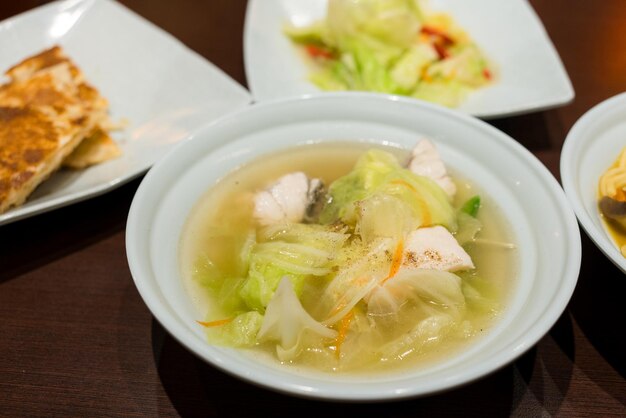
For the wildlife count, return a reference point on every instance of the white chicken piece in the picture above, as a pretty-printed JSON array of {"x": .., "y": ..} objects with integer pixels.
[
  {"x": 425, "y": 161},
  {"x": 287, "y": 199},
  {"x": 434, "y": 248}
]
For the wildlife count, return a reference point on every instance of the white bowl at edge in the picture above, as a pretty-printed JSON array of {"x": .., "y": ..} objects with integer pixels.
[
  {"x": 590, "y": 148},
  {"x": 545, "y": 227}
]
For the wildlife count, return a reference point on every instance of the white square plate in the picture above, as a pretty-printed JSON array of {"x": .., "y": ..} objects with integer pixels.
[
  {"x": 164, "y": 89},
  {"x": 531, "y": 75}
]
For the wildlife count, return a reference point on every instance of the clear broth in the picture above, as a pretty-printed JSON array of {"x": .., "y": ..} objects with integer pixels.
[{"x": 226, "y": 211}]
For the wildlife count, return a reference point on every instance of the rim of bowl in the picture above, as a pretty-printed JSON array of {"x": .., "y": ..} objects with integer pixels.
[
  {"x": 153, "y": 299},
  {"x": 571, "y": 155}
]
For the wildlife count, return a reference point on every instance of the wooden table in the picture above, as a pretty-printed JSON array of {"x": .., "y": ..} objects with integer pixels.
[{"x": 77, "y": 340}]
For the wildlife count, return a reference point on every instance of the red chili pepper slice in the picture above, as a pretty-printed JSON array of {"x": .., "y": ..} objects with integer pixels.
[
  {"x": 318, "y": 52},
  {"x": 428, "y": 30},
  {"x": 441, "y": 51}
]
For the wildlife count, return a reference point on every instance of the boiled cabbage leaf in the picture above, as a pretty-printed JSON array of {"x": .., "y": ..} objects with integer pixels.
[
  {"x": 429, "y": 288},
  {"x": 240, "y": 332},
  {"x": 387, "y": 22},
  {"x": 469, "y": 227},
  {"x": 481, "y": 295},
  {"x": 361, "y": 266},
  {"x": 378, "y": 172},
  {"x": 427, "y": 332},
  {"x": 385, "y": 216},
  {"x": 286, "y": 323},
  {"x": 296, "y": 251}
]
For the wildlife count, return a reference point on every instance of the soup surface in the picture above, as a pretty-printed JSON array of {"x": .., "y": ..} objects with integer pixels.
[{"x": 369, "y": 310}]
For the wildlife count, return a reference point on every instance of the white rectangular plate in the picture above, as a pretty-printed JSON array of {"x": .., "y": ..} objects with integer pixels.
[
  {"x": 162, "y": 88},
  {"x": 531, "y": 76}
]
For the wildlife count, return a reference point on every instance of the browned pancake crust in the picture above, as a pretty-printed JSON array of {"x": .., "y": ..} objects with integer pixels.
[
  {"x": 47, "y": 109},
  {"x": 46, "y": 91},
  {"x": 44, "y": 59},
  {"x": 29, "y": 145},
  {"x": 54, "y": 57},
  {"x": 96, "y": 148}
]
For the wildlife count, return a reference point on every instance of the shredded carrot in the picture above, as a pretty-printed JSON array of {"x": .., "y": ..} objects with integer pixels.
[
  {"x": 396, "y": 261},
  {"x": 358, "y": 282},
  {"x": 344, "y": 325},
  {"x": 426, "y": 218},
  {"x": 215, "y": 323}
]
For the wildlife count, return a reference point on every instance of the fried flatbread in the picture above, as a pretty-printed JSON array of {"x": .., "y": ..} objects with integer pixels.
[
  {"x": 32, "y": 146},
  {"x": 48, "y": 94},
  {"x": 45, "y": 59},
  {"x": 30, "y": 86},
  {"x": 96, "y": 148},
  {"x": 51, "y": 91}
]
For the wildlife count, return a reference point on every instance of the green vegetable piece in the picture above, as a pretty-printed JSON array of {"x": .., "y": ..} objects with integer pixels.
[
  {"x": 390, "y": 22},
  {"x": 471, "y": 206},
  {"x": 228, "y": 295},
  {"x": 296, "y": 251},
  {"x": 206, "y": 273},
  {"x": 378, "y": 172},
  {"x": 313, "y": 34},
  {"x": 480, "y": 294},
  {"x": 240, "y": 332},
  {"x": 469, "y": 227}
]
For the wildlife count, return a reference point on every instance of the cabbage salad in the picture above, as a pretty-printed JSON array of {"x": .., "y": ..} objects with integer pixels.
[
  {"x": 371, "y": 269},
  {"x": 392, "y": 46}
]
